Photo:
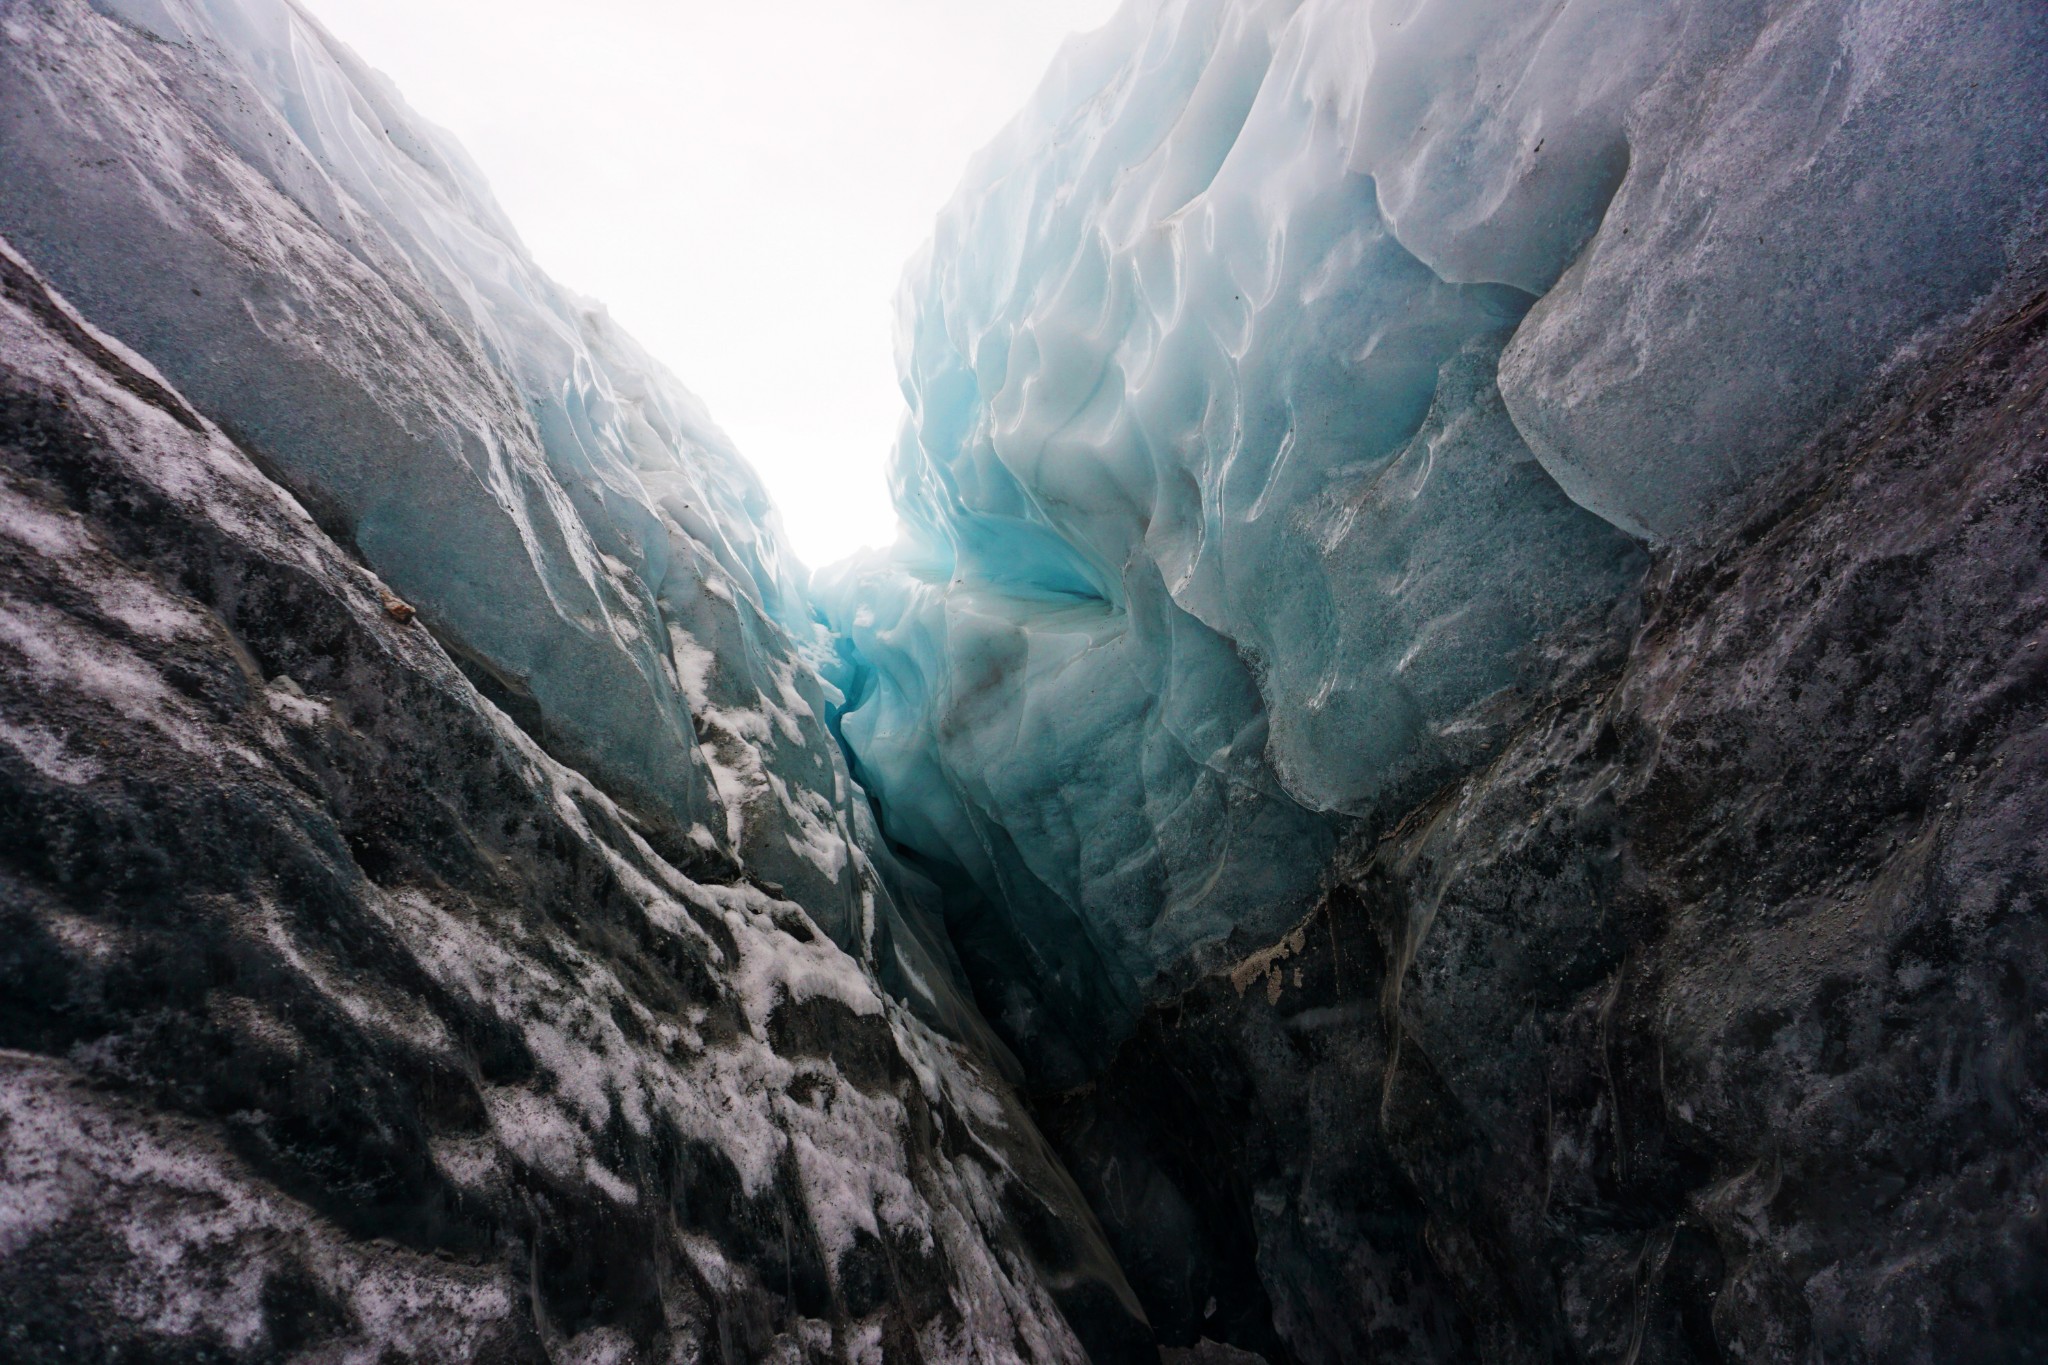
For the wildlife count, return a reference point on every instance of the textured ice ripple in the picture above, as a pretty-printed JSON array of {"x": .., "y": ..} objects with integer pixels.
[{"x": 1295, "y": 384}]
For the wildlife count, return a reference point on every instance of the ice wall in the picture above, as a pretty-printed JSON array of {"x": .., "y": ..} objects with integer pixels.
[
  {"x": 233, "y": 193},
  {"x": 318, "y": 972},
  {"x": 1293, "y": 387}
]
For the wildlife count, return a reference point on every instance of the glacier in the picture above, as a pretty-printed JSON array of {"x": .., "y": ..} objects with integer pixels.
[
  {"x": 439, "y": 919},
  {"x": 1447, "y": 763},
  {"x": 1297, "y": 388}
]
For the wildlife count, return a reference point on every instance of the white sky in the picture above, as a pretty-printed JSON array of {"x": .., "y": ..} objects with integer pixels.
[{"x": 741, "y": 181}]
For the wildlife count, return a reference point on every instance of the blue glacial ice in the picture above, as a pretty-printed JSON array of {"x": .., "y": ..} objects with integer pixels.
[{"x": 1296, "y": 388}]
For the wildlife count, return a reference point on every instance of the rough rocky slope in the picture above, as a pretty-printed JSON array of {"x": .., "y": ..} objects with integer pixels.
[
  {"x": 339, "y": 1022},
  {"x": 1707, "y": 1022}
]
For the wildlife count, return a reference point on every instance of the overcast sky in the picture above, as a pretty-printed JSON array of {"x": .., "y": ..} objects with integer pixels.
[{"x": 740, "y": 180}]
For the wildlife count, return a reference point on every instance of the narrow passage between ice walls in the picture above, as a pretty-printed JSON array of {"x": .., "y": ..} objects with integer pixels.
[{"x": 1449, "y": 753}]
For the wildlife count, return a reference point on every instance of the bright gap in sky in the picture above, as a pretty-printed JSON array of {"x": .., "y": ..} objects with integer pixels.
[{"x": 740, "y": 181}]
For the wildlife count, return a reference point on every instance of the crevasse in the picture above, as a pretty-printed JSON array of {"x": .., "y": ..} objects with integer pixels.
[{"x": 1294, "y": 390}]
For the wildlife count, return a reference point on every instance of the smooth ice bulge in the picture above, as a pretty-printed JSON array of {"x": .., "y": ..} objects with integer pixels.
[{"x": 1293, "y": 388}]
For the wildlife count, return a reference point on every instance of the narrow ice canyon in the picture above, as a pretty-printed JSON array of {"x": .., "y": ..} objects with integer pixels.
[{"x": 1448, "y": 764}]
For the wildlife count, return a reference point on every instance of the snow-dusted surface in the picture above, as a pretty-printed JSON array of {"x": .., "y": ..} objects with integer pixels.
[
  {"x": 463, "y": 1068},
  {"x": 1290, "y": 382}
]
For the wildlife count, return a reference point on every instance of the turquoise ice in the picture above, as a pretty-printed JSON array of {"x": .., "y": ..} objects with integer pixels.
[{"x": 1296, "y": 388}]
